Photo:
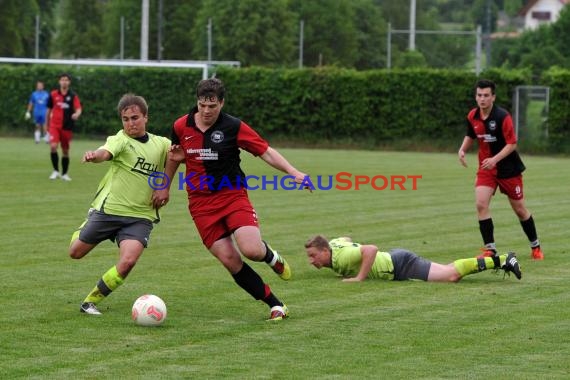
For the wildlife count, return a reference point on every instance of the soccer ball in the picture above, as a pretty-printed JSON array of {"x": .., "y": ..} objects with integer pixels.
[{"x": 149, "y": 310}]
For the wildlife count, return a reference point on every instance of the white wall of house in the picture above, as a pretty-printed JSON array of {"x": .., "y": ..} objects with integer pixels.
[{"x": 543, "y": 12}]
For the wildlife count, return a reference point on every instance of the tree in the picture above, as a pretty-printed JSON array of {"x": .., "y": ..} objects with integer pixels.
[
  {"x": 79, "y": 33},
  {"x": 254, "y": 32},
  {"x": 47, "y": 26},
  {"x": 560, "y": 33},
  {"x": 542, "y": 48},
  {"x": 410, "y": 59},
  {"x": 330, "y": 36},
  {"x": 436, "y": 50},
  {"x": 17, "y": 27},
  {"x": 485, "y": 13},
  {"x": 179, "y": 20},
  {"x": 370, "y": 35}
]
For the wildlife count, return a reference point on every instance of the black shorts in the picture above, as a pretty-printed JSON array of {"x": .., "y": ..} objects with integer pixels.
[
  {"x": 100, "y": 226},
  {"x": 409, "y": 266}
]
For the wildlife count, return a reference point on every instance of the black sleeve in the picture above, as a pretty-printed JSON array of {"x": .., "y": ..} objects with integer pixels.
[
  {"x": 174, "y": 137},
  {"x": 470, "y": 131}
]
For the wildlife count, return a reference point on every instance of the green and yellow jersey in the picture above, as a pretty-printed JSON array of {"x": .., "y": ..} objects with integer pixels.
[
  {"x": 346, "y": 260},
  {"x": 125, "y": 189}
]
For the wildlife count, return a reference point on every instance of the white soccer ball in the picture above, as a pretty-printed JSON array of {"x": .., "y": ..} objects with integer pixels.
[{"x": 149, "y": 310}]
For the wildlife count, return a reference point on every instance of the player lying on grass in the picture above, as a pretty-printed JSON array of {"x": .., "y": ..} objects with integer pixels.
[{"x": 357, "y": 262}]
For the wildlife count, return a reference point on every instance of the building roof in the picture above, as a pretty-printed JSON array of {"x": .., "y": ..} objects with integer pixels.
[{"x": 531, "y": 3}]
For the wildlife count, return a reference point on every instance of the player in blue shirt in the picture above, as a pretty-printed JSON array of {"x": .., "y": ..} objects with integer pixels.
[{"x": 38, "y": 103}]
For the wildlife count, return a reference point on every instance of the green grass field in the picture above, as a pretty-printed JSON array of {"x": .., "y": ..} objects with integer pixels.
[{"x": 485, "y": 327}]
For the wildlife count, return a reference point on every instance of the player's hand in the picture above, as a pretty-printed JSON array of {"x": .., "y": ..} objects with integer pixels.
[
  {"x": 302, "y": 178},
  {"x": 488, "y": 164},
  {"x": 176, "y": 153},
  {"x": 27, "y": 115},
  {"x": 351, "y": 279},
  {"x": 160, "y": 198},
  {"x": 461, "y": 155},
  {"x": 89, "y": 156}
]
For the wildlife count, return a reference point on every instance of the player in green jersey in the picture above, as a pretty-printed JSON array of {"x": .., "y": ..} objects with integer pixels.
[
  {"x": 357, "y": 262},
  {"x": 124, "y": 208}
]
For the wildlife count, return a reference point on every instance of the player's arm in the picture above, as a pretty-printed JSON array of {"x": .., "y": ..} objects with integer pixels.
[
  {"x": 97, "y": 156},
  {"x": 174, "y": 157},
  {"x": 48, "y": 118},
  {"x": 491, "y": 162},
  {"x": 508, "y": 131},
  {"x": 161, "y": 196},
  {"x": 77, "y": 108},
  {"x": 77, "y": 113},
  {"x": 465, "y": 146},
  {"x": 368, "y": 253},
  {"x": 276, "y": 160},
  {"x": 29, "y": 108}
]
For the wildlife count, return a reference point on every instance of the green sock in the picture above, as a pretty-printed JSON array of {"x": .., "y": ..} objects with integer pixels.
[
  {"x": 475, "y": 265},
  {"x": 110, "y": 281}
]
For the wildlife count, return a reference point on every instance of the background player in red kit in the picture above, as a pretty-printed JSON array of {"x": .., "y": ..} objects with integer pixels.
[
  {"x": 64, "y": 108},
  {"x": 209, "y": 141},
  {"x": 499, "y": 166}
]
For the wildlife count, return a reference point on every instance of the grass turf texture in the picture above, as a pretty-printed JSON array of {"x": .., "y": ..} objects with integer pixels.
[{"x": 484, "y": 327}]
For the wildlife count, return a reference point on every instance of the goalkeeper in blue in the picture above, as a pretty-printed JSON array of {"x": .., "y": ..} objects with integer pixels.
[{"x": 358, "y": 262}]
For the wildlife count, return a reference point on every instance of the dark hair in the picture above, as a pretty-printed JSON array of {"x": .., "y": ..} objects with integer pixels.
[
  {"x": 68, "y": 76},
  {"x": 486, "y": 83},
  {"x": 129, "y": 100},
  {"x": 211, "y": 88}
]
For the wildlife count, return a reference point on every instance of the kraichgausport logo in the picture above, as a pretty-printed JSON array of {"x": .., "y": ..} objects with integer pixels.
[{"x": 340, "y": 181}]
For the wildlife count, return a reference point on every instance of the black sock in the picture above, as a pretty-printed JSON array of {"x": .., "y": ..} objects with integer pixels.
[
  {"x": 54, "y": 161},
  {"x": 268, "y": 254},
  {"x": 250, "y": 281},
  {"x": 271, "y": 300},
  {"x": 64, "y": 165},
  {"x": 529, "y": 229},
  {"x": 486, "y": 227}
]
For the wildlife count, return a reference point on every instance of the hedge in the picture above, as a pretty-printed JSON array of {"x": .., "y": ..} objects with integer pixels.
[
  {"x": 309, "y": 106},
  {"x": 559, "y": 113}
]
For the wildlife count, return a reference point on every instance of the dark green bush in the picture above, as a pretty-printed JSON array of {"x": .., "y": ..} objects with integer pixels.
[{"x": 340, "y": 107}]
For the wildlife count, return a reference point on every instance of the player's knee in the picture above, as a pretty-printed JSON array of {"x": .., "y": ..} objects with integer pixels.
[
  {"x": 253, "y": 251},
  {"x": 124, "y": 267},
  {"x": 521, "y": 212},
  {"x": 481, "y": 206},
  {"x": 75, "y": 253},
  {"x": 454, "y": 278}
]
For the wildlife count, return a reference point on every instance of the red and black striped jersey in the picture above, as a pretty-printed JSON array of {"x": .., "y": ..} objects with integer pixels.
[
  {"x": 493, "y": 134},
  {"x": 62, "y": 107},
  {"x": 213, "y": 157}
]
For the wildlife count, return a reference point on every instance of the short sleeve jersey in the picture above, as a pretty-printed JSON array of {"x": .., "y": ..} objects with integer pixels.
[
  {"x": 62, "y": 107},
  {"x": 125, "y": 188},
  {"x": 493, "y": 134},
  {"x": 213, "y": 157},
  {"x": 347, "y": 258},
  {"x": 39, "y": 100}
]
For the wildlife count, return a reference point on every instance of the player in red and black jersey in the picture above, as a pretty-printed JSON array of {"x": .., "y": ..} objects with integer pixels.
[
  {"x": 209, "y": 142},
  {"x": 64, "y": 108},
  {"x": 499, "y": 166}
]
